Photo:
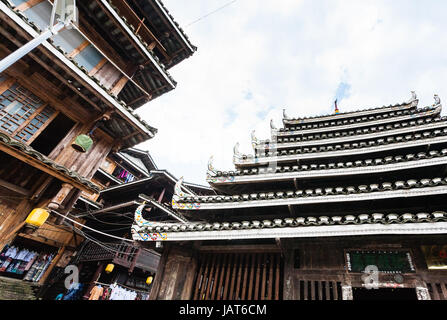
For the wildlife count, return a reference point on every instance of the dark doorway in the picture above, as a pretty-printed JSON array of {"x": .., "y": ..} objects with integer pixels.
[
  {"x": 384, "y": 294},
  {"x": 53, "y": 134}
]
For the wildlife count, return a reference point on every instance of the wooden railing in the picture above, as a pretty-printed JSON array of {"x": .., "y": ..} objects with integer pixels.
[{"x": 123, "y": 254}]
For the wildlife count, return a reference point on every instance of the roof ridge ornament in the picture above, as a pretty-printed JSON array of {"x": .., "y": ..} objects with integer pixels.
[
  {"x": 437, "y": 101},
  {"x": 414, "y": 99},
  {"x": 236, "y": 152},
  {"x": 272, "y": 125},
  {"x": 178, "y": 193},
  {"x": 254, "y": 140},
  {"x": 284, "y": 115},
  {"x": 211, "y": 171}
]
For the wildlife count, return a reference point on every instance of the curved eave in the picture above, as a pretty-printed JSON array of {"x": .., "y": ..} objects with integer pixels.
[
  {"x": 314, "y": 174},
  {"x": 352, "y": 114},
  {"x": 174, "y": 26},
  {"x": 360, "y": 124},
  {"x": 378, "y": 195},
  {"x": 330, "y": 154},
  {"x": 25, "y": 153},
  {"x": 297, "y": 232},
  {"x": 357, "y": 137},
  {"x": 138, "y": 42}
]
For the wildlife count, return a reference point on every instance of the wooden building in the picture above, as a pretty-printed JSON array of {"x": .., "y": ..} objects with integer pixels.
[
  {"x": 338, "y": 207},
  {"x": 130, "y": 181},
  {"x": 86, "y": 80}
]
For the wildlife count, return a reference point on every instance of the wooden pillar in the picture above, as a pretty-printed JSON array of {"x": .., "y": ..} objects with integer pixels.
[{"x": 289, "y": 276}]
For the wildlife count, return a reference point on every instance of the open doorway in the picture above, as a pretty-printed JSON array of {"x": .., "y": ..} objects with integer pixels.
[
  {"x": 385, "y": 294},
  {"x": 49, "y": 138}
]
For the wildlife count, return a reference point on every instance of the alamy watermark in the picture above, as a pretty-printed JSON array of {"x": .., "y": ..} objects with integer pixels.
[{"x": 370, "y": 279}]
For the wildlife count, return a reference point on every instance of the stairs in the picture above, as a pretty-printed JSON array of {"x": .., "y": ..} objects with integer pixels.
[{"x": 14, "y": 289}]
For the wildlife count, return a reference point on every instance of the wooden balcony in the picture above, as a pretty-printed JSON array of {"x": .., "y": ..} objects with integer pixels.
[{"x": 123, "y": 254}]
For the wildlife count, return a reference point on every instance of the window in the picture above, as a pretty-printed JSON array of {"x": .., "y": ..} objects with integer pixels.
[{"x": 22, "y": 114}]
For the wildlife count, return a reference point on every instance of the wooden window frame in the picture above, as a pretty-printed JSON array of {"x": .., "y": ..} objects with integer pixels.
[{"x": 6, "y": 85}]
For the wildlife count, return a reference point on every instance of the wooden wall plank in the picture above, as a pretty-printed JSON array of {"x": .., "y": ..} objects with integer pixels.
[
  {"x": 217, "y": 268},
  {"x": 239, "y": 276},
  {"x": 252, "y": 273},
  {"x": 237, "y": 259},
  {"x": 257, "y": 279},
  {"x": 221, "y": 277},
  {"x": 204, "y": 279},
  {"x": 231, "y": 258},
  {"x": 211, "y": 276},
  {"x": 199, "y": 277},
  {"x": 264, "y": 275},
  {"x": 270, "y": 280},
  {"x": 244, "y": 281},
  {"x": 277, "y": 277}
]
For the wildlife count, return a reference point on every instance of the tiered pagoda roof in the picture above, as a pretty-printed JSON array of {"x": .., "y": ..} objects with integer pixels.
[{"x": 375, "y": 171}]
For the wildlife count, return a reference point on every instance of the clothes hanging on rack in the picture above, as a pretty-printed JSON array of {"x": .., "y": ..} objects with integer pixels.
[
  {"x": 125, "y": 175},
  {"x": 38, "y": 268},
  {"x": 16, "y": 260},
  {"x": 119, "y": 292},
  {"x": 96, "y": 292}
]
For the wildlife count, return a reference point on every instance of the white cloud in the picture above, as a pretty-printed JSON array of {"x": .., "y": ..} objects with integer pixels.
[{"x": 291, "y": 54}]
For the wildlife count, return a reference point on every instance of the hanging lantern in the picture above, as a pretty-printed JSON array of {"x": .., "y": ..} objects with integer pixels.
[
  {"x": 37, "y": 217},
  {"x": 149, "y": 280},
  {"x": 110, "y": 267},
  {"x": 82, "y": 143}
]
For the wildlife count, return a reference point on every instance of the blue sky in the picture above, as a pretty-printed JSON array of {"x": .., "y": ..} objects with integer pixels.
[{"x": 256, "y": 57}]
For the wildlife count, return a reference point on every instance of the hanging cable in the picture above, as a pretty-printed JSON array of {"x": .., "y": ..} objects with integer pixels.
[
  {"x": 94, "y": 230},
  {"x": 100, "y": 243},
  {"x": 210, "y": 13}
]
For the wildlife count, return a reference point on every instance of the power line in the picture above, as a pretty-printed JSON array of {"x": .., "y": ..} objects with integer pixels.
[
  {"x": 210, "y": 13},
  {"x": 91, "y": 229}
]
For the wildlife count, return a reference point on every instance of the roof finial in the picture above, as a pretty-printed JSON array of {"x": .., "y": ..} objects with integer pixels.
[
  {"x": 254, "y": 140},
  {"x": 336, "y": 111},
  {"x": 236, "y": 152},
  {"x": 413, "y": 96},
  {"x": 272, "y": 125},
  {"x": 437, "y": 100},
  {"x": 210, "y": 166},
  {"x": 178, "y": 188},
  {"x": 284, "y": 115}
]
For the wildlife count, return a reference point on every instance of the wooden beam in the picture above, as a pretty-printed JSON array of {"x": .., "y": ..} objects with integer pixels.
[
  {"x": 126, "y": 10},
  {"x": 119, "y": 85},
  {"x": 29, "y": 4},
  {"x": 15, "y": 188},
  {"x": 97, "y": 67},
  {"x": 242, "y": 248},
  {"x": 78, "y": 50},
  {"x": 5, "y": 85}
]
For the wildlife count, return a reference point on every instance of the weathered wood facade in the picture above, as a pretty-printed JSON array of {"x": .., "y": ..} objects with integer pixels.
[{"x": 87, "y": 79}]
